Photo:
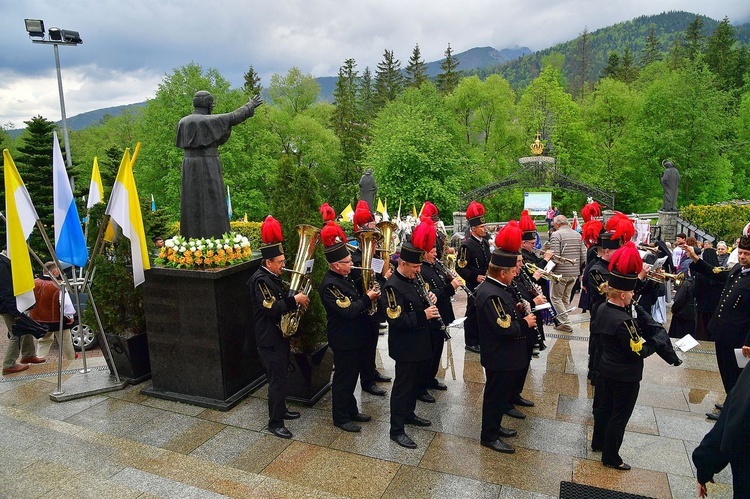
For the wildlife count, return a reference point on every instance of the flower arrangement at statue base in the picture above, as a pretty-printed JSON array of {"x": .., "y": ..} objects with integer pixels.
[{"x": 202, "y": 253}]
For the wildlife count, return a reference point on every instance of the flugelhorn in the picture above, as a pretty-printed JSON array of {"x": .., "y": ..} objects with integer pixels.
[
  {"x": 300, "y": 282},
  {"x": 658, "y": 275},
  {"x": 368, "y": 240},
  {"x": 562, "y": 259},
  {"x": 545, "y": 274}
]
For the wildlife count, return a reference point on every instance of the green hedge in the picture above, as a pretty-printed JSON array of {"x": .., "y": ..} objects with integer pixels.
[{"x": 724, "y": 221}]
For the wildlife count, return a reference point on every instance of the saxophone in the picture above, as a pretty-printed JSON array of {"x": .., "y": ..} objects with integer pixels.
[{"x": 300, "y": 282}]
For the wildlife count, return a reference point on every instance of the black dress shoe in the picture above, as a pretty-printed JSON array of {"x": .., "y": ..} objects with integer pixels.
[
  {"x": 719, "y": 406},
  {"x": 382, "y": 379},
  {"x": 281, "y": 432},
  {"x": 523, "y": 402},
  {"x": 515, "y": 413},
  {"x": 404, "y": 441},
  {"x": 507, "y": 432},
  {"x": 437, "y": 385},
  {"x": 499, "y": 446},
  {"x": 621, "y": 466},
  {"x": 291, "y": 415},
  {"x": 350, "y": 426},
  {"x": 426, "y": 397},
  {"x": 361, "y": 418},
  {"x": 473, "y": 348},
  {"x": 417, "y": 421},
  {"x": 712, "y": 416},
  {"x": 542, "y": 346},
  {"x": 373, "y": 390}
]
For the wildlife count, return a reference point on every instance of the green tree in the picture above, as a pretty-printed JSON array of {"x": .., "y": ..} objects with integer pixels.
[
  {"x": 612, "y": 69},
  {"x": 720, "y": 55},
  {"x": 628, "y": 70},
  {"x": 347, "y": 123},
  {"x": 652, "y": 50},
  {"x": 694, "y": 38},
  {"x": 447, "y": 80},
  {"x": 252, "y": 84},
  {"x": 366, "y": 100},
  {"x": 416, "y": 70},
  {"x": 295, "y": 91},
  {"x": 388, "y": 80},
  {"x": 581, "y": 64}
]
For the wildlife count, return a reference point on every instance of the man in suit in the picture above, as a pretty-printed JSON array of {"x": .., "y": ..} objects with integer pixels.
[
  {"x": 269, "y": 303},
  {"x": 472, "y": 262}
]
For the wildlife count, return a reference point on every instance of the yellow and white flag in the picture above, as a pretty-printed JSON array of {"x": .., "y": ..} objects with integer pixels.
[
  {"x": 381, "y": 206},
  {"x": 21, "y": 217},
  {"x": 125, "y": 209},
  {"x": 347, "y": 212},
  {"x": 96, "y": 189}
]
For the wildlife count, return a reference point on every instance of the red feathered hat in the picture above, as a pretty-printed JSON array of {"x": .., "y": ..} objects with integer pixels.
[
  {"x": 362, "y": 215},
  {"x": 424, "y": 235},
  {"x": 591, "y": 211},
  {"x": 590, "y": 232},
  {"x": 475, "y": 214},
  {"x": 334, "y": 242},
  {"x": 272, "y": 237},
  {"x": 429, "y": 210},
  {"x": 327, "y": 212},
  {"x": 621, "y": 227},
  {"x": 527, "y": 226},
  {"x": 509, "y": 237},
  {"x": 624, "y": 267}
]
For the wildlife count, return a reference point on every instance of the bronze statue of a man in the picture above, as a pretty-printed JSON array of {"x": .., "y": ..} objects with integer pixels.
[
  {"x": 670, "y": 181},
  {"x": 203, "y": 207}
]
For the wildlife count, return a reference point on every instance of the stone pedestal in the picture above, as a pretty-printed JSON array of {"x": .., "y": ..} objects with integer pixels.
[
  {"x": 200, "y": 335},
  {"x": 459, "y": 222},
  {"x": 668, "y": 224}
]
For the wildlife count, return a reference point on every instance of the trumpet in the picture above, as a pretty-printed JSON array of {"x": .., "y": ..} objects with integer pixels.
[
  {"x": 562, "y": 259},
  {"x": 658, "y": 275},
  {"x": 646, "y": 247},
  {"x": 545, "y": 275}
]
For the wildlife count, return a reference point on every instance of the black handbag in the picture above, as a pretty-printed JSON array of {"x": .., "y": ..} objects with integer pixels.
[{"x": 26, "y": 325}]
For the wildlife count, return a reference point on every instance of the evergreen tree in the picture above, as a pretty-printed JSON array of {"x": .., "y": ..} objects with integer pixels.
[
  {"x": 628, "y": 71},
  {"x": 677, "y": 54},
  {"x": 720, "y": 56},
  {"x": 581, "y": 64},
  {"x": 34, "y": 163},
  {"x": 252, "y": 84},
  {"x": 651, "y": 52},
  {"x": 447, "y": 80},
  {"x": 366, "y": 100},
  {"x": 388, "y": 80},
  {"x": 694, "y": 38},
  {"x": 416, "y": 70},
  {"x": 612, "y": 69},
  {"x": 347, "y": 124}
]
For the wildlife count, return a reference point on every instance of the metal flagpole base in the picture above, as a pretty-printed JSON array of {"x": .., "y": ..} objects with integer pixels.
[{"x": 85, "y": 384}]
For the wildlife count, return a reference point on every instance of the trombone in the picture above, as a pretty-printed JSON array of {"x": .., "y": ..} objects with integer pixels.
[{"x": 545, "y": 275}]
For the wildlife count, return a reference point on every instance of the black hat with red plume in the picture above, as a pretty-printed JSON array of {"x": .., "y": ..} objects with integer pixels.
[
  {"x": 507, "y": 245},
  {"x": 621, "y": 228},
  {"x": 272, "y": 237},
  {"x": 475, "y": 214},
  {"x": 527, "y": 226},
  {"x": 591, "y": 232},
  {"x": 424, "y": 235},
  {"x": 332, "y": 236},
  {"x": 624, "y": 267},
  {"x": 591, "y": 211},
  {"x": 362, "y": 215},
  {"x": 429, "y": 210}
]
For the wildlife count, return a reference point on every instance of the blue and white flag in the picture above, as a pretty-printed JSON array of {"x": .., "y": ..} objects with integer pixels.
[
  {"x": 229, "y": 204},
  {"x": 153, "y": 203},
  {"x": 70, "y": 244}
]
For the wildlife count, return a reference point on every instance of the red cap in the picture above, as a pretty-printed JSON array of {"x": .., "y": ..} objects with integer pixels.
[
  {"x": 424, "y": 235},
  {"x": 509, "y": 237},
  {"x": 362, "y": 215},
  {"x": 621, "y": 227},
  {"x": 475, "y": 213},
  {"x": 270, "y": 231},
  {"x": 327, "y": 212}
]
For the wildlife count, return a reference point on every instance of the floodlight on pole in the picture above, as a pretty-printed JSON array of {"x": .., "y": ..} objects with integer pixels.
[{"x": 57, "y": 36}]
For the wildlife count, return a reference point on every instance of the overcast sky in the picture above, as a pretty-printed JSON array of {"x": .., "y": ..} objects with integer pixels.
[{"x": 130, "y": 46}]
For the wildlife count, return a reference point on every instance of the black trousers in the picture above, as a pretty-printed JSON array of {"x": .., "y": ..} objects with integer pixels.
[
  {"x": 727, "y": 366},
  {"x": 595, "y": 354},
  {"x": 343, "y": 401},
  {"x": 406, "y": 386},
  {"x": 367, "y": 370},
  {"x": 471, "y": 324},
  {"x": 616, "y": 403},
  {"x": 438, "y": 341},
  {"x": 498, "y": 392},
  {"x": 275, "y": 361}
]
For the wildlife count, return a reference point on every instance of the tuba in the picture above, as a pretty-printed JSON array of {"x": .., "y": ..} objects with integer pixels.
[
  {"x": 300, "y": 282},
  {"x": 368, "y": 239},
  {"x": 387, "y": 229}
]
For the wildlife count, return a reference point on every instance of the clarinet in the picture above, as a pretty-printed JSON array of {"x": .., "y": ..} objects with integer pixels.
[
  {"x": 422, "y": 290},
  {"x": 548, "y": 316},
  {"x": 452, "y": 274}
]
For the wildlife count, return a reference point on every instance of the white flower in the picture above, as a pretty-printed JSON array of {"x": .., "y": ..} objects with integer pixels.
[
  {"x": 182, "y": 249},
  {"x": 169, "y": 243},
  {"x": 226, "y": 246}
]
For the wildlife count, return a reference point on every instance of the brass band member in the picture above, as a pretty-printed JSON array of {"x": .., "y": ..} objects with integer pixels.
[
  {"x": 528, "y": 240},
  {"x": 269, "y": 303},
  {"x": 443, "y": 286},
  {"x": 409, "y": 341},
  {"x": 625, "y": 341},
  {"x": 472, "y": 262},
  {"x": 346, "y": 306},
  {"x": 503, "y": 329},
  {"x": 369, "y": 373}
]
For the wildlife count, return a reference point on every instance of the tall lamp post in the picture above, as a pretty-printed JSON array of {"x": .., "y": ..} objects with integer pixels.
[{"x": 55, "y": 37}]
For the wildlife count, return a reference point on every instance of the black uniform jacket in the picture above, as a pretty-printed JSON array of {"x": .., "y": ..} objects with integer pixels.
[
  {"x": 525, "y": 292},
  {"x": 408, "y": 330},
  {"x": 502, "y": 330},
  {"x": 440, "y": 284},
  {"x": 477, "y": 256},
  {"x": 7, "y": 298},
  {"x": 346, "y": 307},
  {"x": 597, "y": 274},
  {"x": 617, "y": 327},
  {"x": 269, "y": 304},
  {"x": 730, "y": 324}
]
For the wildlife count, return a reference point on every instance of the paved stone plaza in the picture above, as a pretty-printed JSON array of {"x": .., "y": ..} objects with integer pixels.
[{"x": 125, "y": 444}]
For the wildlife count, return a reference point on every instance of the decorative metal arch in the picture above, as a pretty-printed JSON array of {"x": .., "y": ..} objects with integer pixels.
[{"x": 539, "y": 171}]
